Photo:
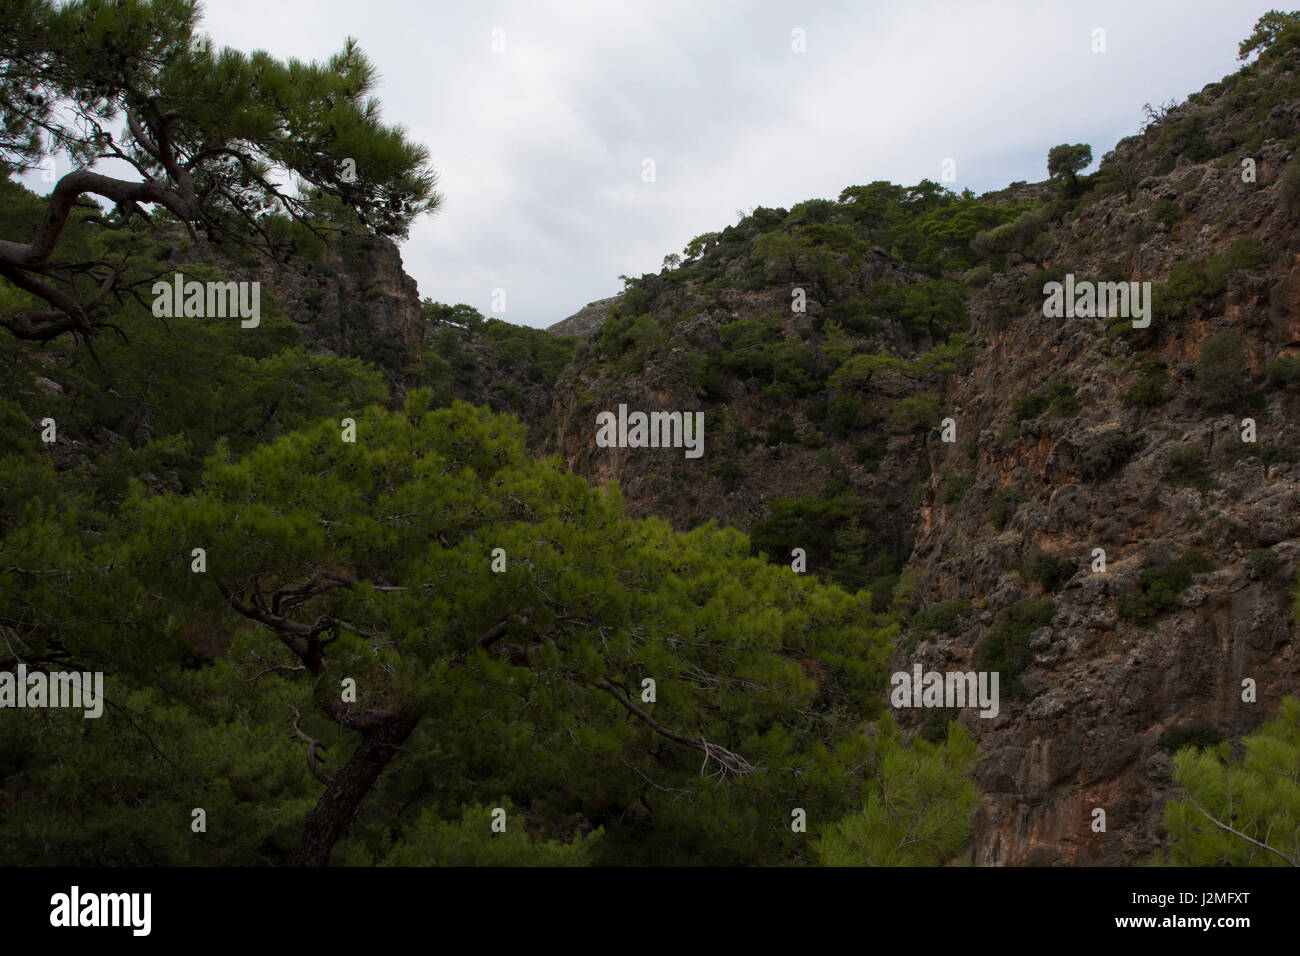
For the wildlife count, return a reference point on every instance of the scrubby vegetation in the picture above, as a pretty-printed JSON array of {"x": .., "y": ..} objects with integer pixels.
[
  {"x": 1160, "y": 587},
  {"x": 1006, "y": 647}
]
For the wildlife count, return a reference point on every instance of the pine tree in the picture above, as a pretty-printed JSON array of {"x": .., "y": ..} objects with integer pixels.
[
  {"x": 349, "y": 653},
  {"x": 210, "y": 133},
  {"x": 1240, "y": 811}
]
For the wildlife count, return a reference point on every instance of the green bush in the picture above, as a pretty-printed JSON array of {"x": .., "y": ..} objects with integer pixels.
[
  {"x": 938, "y": 618},
  {"x": 1028, "y": 404},
  {"x": 1288, "y": 186},
  {"x": 854, "y": 315},
  {"x": 1150, "y": 388},
  {"x": 844, "y": 414},
  {"x": 954, "y": 488},
  {"x": 1061, "y": 400},
  {"x": 1263, "y": 562},
  {"x": 1244, "y": 253},
  {"x": 1108, "y": 452},
  {"x": 1269, "y": 452},
  {"x": 1221, "y": 371},
  {"x": 1167, "y": 211},
  {"x": 917, "y": 413},
  {"x": 1057, "y": 397},
  {"x": 840, "y": 532},
  {"x": 1031, "y": 290},
  {"x": 1015, "y": 236},
  {"x": 870, "y": 453},
  {"x": 1199, "y": 735},
  {"x": 1047, "y": 570},
  {"x": 1006, "y": 647},
  {"x": 1284, "y": 372},
  {"x": 1186, "y": 467},
  {"x": 1159, "y": 588},
  {"x": 1002, "y": 505},
  {"x": 780, "y": 431},
  {"x": 707, "y": 379},
  {"x": 935, "y": 724},
  {"x": 1189, "y": 282}
]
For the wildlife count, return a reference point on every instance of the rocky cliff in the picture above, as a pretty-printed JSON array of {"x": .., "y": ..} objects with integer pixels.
[{"x": 1109, "y": 514}]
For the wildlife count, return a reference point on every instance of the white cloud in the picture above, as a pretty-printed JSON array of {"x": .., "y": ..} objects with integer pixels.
[{"x": 539, "y": 148}]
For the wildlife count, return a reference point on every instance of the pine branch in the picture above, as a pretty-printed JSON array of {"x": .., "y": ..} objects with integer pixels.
[{"x": 1223, "y": 826}]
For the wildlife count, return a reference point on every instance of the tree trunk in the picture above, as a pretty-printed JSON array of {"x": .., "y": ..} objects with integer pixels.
[{"x": 338, "y": 804}]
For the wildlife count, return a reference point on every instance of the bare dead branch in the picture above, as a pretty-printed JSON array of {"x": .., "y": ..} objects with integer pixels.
[{"x": 728, "y": 762}]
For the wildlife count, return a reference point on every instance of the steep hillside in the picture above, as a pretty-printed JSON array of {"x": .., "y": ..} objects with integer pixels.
[
  {"x": 825, "y": 430},
  {"x": 341, "y": 326},
  {"x": 586, "y": 320}
]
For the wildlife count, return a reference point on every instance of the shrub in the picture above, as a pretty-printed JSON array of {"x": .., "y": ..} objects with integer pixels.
[
  {"x": 1269, "y": 452},
  {"x": 938, "y": 618},
  {"x": 978, "y": 275},
  {"x": 1047, "y": 570},
  {"x": 1159, "y": 588},
  {"x": 1149, "y": 390},
  {"x": 1028, "y": 404},
  {"x": 1167, "y": 211},
  {"x": 917, "y": 413},
  {"x": 1186, "y": 467},
  {"x": 1002, "y": 505},
  {"x": 1263, "y": 562},
  {"x": 1284, "y": 372},
  {"x": 1006, "y": 647},
  {"x": 1221, "y": 370},
  {"x": 1288, "y": 186},
  {"x": 854, "y": 315},
  {"x": 728, "y": 469},
  {"x": 1108, "y": 452},
  {"x": 1189, "y": 282},
  {"x": 1014, "y": 236},
  {"x": 707, "y": 379},
  {"x": 1244, "y": 253},
  {"x": 1061, "y": 400},
  {"x": 844, "y": 414},
  {"x": 1199, "y": 735},
  {"x": 1058, "y": 397},
  {"x": 870, "y": 453},
  {"x": 1031, "y": 290},
  {"x": 935, "y": 724},
  {"x": 781, "y": 431},
  {"x": 954, "y": 488}
]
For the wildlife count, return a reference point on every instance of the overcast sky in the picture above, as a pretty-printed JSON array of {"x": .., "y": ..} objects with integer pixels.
[{"x": 540, "y": 148}]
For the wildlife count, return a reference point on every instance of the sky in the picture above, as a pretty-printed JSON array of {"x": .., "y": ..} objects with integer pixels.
[{"x": 541, "y": 117}]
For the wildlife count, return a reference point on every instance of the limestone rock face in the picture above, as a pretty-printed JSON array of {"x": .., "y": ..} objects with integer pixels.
[
  {"x": 1103, "y": 689},
  {"x": 587, "y": 321}
]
